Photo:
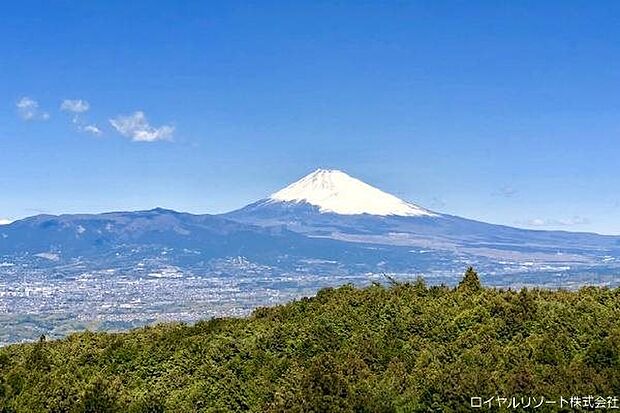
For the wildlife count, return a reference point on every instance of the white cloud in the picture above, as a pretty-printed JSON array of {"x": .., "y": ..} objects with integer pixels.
[
  {"x": 74, "y": 105},
  {"x": 137, "y": 127},
  {"x": 540, "y": 222},
  {"x": 5, "y": 221},
  {"x": 78, "y": 107},
  {"x": 28, "y": 109},
  {"x": 92, "y": 129}
]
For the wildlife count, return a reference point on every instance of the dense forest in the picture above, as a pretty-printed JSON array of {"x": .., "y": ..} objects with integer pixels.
[{"x": 399, "y": 347}]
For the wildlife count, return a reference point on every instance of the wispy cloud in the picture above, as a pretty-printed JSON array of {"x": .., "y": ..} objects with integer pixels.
[
  {"x": 137, "y": 128},
  {"x": 74, "y": 105},
  {"x": 134, "y": 126},
  {"x": 437, "y": 202},
  {"x": 28, "y": 109},
  {"x": 544, "y": 222},
  {"x": 506, "y": 191},
  {"x": 91, "y": 129}
]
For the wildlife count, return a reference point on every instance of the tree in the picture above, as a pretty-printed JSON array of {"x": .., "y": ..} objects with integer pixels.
[{"x": 471, "y": 281}]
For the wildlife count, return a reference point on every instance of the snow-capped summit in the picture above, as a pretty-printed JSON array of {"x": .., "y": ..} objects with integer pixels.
[{"x": 334, "y": 191}]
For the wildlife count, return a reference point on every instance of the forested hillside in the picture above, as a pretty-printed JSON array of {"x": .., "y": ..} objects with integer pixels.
[{"x": 402, "y": 347}]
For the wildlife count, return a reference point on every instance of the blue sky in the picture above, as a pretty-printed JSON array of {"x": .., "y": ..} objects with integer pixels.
[{"x": 506, "y": 112}]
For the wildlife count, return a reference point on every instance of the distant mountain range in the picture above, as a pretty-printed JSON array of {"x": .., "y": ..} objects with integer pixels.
[
  {"x": 120, "y": 270},
  {"x": 326, "y": 215}
]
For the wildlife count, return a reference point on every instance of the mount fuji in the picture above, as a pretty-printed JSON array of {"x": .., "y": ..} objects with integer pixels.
[
  {"x": 326, "y": 216},
  {"x": 335, "y": 191},
  {"x": 332, "y": 204}
]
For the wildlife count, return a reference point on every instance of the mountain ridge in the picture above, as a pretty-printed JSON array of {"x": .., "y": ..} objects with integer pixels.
[{"x": 299, "y": 223}]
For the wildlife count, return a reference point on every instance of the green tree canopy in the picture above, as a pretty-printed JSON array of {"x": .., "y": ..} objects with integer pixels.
[{"x": 384, "y": 348}]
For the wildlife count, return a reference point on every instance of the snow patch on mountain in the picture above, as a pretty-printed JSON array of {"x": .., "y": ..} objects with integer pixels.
[{"x": 335, "y": 191}]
